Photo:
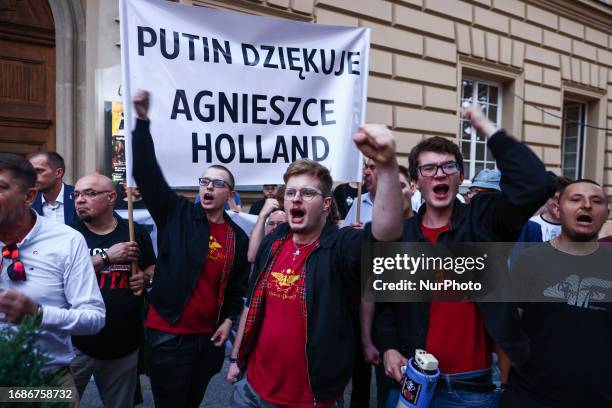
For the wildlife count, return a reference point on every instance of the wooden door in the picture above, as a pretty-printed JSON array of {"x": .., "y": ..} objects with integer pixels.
[{"x": 27, "y": 76}]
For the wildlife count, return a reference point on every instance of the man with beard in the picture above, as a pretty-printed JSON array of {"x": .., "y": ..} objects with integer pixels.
[
  {"x": 460, "y": 334},
  {"x": 200, "y": 275},
  {"x": 571, "y": 339},
  {"x": 54, "y": 200},
  {"x": 296, "y": 334},
  {"x": 111, "y": 356}
]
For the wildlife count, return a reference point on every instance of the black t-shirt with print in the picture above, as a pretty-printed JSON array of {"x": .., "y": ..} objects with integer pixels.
[
  {"x": 571, "y": 341},
  {"x": 123, "y": 331}
]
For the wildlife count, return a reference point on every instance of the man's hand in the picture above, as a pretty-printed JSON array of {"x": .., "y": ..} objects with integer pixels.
[
  {"x": 270, "y": 205},
  {"x": 123, "y": 252},
  {"x": 137, "y": 282},
  {"x": 141, "y": 104},
  {"x": 376, "y": 142},
  {"x": 393, "y": 361},
  {"x": 371, "y": 354},
  {"x": 475, "y": 114},
  {"x": 222, "y": 333},
  {"x": 233, "y": 372},
  {"x": 15, "y": 306}
]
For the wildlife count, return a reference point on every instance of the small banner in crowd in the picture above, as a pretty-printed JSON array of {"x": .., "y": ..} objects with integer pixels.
[{"x": 251, "y": 93}]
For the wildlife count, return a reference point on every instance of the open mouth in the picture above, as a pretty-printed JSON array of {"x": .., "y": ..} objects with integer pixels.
[
  {"x": 584, "y": 219},
  {"x": 441, "y": 189},
  {"x": 297, "y": 215},
  {"x": 208, "y": 197}
]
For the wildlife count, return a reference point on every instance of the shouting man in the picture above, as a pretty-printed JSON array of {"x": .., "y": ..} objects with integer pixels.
[
  {"x": 296, "y": 335},
  {"x": 200, "y": 276}
]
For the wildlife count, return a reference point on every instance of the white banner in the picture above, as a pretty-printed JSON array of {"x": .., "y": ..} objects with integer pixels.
[{"x": 247, "y": 92}]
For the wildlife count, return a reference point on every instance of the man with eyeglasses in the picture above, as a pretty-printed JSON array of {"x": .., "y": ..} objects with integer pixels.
[
  {"x": 461, "y": 335},
  {"x": 45, "y": 271},
  {"x": 295, "y": 337},
  {"x": 111, "y": 356},
  {"x": 200, "y": 275}
]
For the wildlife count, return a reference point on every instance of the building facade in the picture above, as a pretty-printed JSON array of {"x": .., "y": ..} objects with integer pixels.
[{"x": 542, "y": 69}]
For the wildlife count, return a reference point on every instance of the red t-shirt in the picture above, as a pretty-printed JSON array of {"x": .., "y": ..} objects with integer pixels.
[
  {"x": 456, "y": 336},
  {"x": 202, "y": 309},
  {"x": 277, "y": 368}
]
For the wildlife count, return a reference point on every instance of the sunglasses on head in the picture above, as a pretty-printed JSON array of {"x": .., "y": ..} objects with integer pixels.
[{"x": 16, "y": 270}]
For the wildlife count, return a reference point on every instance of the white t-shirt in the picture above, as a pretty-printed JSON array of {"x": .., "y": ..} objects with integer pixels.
[{"x": 550, "y": 230}]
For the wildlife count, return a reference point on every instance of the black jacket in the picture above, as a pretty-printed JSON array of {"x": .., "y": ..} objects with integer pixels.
[
  {"x": 332, "y": 294},
  {"x": 182, "y": 239},
  {"x": 490, "y": 217}
]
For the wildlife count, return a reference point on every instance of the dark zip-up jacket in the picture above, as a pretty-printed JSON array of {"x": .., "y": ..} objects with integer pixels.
[
  {"x": 490, "y": 217},
  {"x": 332, "y": 294},
  {"x": 182, "y": 239}
]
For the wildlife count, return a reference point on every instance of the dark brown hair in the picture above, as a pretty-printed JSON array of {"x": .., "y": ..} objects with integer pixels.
[
  {"x": 436, "y": 144},
  {"x": 569, "y": 183},
  {"x": 229, "y": 173},
  {"x": 53, "y": 158},
  {"x": 20, "y": 168}
]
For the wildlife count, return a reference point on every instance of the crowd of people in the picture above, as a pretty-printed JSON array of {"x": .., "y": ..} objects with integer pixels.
[{"x": 287, "y": 295}]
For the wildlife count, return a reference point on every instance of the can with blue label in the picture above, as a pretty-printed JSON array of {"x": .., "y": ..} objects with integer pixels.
[{"x": 419, "y": 381}]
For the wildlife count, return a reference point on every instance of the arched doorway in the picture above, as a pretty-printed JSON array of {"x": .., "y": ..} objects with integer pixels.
[{"x": 27, "y": 76}]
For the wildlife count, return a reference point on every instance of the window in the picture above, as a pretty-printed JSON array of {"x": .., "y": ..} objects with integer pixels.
[
  {"x": 476, "y": 154},
  {"x": 572, "y": 146}
]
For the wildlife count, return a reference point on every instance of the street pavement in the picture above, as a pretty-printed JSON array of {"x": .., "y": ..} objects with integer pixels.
[{"x": 217, "y": 395}]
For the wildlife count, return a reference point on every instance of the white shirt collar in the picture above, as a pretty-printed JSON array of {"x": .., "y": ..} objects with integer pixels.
[{"x": 59, "y": 199}]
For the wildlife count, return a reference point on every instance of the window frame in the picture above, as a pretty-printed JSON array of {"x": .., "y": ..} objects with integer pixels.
[
  {"x": 580, "y": 151},
  {"x": 473, "y": 134}
]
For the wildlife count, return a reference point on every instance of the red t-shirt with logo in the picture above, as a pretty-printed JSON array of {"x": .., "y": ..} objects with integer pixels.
[
  {"x": 277, "y": 368},
  {"x": 457, "y": 336},
  {"x": 201, "y": 312}
]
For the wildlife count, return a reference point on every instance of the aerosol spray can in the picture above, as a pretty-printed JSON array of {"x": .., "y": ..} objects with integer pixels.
[{"x": 418, "y": 381}]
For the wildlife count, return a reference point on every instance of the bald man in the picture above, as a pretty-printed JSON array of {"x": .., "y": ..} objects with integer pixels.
[{"x": 111, "y": 355}]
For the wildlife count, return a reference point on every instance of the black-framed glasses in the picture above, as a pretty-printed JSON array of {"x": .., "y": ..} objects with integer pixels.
[
  {"x": 306, "y": 193},
  {"x": 16, "y": 270},
  {"x": 429, "y": 170},
  {"x": 217, "y": 183},
  {"x": 75, "y": 195}
]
